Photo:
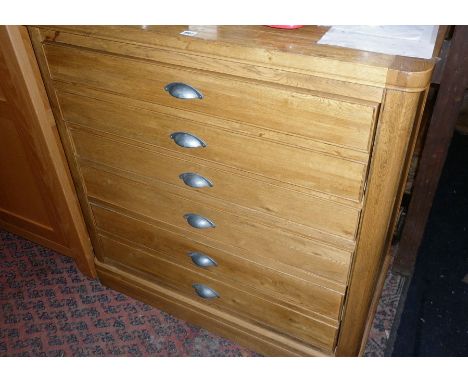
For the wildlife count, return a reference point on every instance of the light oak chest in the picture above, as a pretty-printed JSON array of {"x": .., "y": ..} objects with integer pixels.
[{"x": 245, "y": 179}]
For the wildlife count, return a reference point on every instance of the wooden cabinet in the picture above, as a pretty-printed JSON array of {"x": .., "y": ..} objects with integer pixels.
[
  {"x": 244, "y": 178},
  {"x": 37, "y": 197}
]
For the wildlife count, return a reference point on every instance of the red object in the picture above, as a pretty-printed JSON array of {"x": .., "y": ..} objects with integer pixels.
[{"x": 286, "y": 26}]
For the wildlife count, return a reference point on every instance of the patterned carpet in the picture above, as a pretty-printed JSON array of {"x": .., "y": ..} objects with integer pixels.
[
  {"x": 48, "y": 308},
  {"x": 382, "y": 333}
]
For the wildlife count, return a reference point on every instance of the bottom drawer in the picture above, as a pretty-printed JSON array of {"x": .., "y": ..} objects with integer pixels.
[{"x": 239, "y": 302}]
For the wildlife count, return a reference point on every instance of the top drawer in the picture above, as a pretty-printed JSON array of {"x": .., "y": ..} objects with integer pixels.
[{"x": 280, "y": 108}]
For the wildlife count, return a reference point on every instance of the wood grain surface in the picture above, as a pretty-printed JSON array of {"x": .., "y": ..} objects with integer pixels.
[
  {"x": 391, "y": 149},
  {"x": 250, "y": 305},
  {"x": 268, "y": 47},
  {"x": 313, "y": 170},
  {"x": 37, "y": 197},
  {"x": 240, "y": 271},
  {"x": 307, "y": 148},
  {"x": 161, "y": 203},
  {"x": 329, "y": 120},
  {"x": 277, "y": 202},
  {"x": 132, "y": 227}
]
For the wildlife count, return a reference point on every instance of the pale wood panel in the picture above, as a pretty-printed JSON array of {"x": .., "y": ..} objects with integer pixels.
[
  {"x": 388, "y": 248},
  {"x": 244, "y": 304},
  {"x": 221, "y": 205},
  {"x": 391, "y": 149},
  {"x": 236, "y": 270},
  {"x": 159, "y": 204},
  {"x": 329, "y": 120},
  {"x": 133, "y": 227},
  {"x": 312, "y": 170},
  {"x": 136, "y": 192},
  {"x": 37, "y": 196},
  {"x": 261, "y": 196},
  {"x": 274, "y": 48},
  {"x": 106, "y": 101},
  {"x": 225, "y": 324},
  {"x": 237, "y": 67},
  {"x": 326, "y": 309}
]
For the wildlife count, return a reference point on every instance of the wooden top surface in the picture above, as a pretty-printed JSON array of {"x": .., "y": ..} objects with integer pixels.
[{"x": 295, "y": 49}]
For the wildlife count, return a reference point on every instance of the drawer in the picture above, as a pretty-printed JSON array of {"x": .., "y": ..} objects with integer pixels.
[
  {"x": 158, "y": 203},
  {"x": 257, "y": 308},
  {"x": 292, "y": 165},
  {"x": 342, "y": 122},
  {"x": 227, "y": 267},
  {"x": 318, "y": 213}
]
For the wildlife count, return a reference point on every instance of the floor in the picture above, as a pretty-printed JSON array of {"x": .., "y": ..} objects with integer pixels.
[
  {"x": 48, "y": 308},
  {"x": 434, "y": 319}
]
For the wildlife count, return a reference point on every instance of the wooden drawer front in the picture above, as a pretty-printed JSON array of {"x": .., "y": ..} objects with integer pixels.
[
  {"x": 315, "y": 212},
  {"x": 282, "y": 108},
  {"x": 332, "y": 274},
  {"x": 240, "y": 302},
  {"x": 229, "y": 268},
  {"x": 160, "y": 204},
  {"x": 288, "y": 164}
]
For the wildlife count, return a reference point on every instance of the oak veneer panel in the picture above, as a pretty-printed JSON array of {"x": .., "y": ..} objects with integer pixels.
[
  {"x": 392, "y": 147},
  {"x": 37, "y": 198},
  {"x": 328, "y": 270},
  {"x": 153, "y": 263},
  {"x": 345, "y": 123},
  {"x": 225, "y": 65},
  {"x": 237, "y": 301},
  {"x": 108, "y": 103},
  {"x": 246, "y": 214},
  {"x": 239, "y": 270},
  {"x": 273, "y": 48},
  {"x": 251, "y": 235},
  {"x": 261, "y": 196},
  {"x": 313, "y": 170}
]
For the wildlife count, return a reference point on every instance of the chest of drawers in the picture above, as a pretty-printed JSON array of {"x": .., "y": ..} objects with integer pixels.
[{"x": 244, "y": 178}]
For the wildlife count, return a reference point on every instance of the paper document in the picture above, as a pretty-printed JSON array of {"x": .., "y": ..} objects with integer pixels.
[{"x": 402, "y": 40}]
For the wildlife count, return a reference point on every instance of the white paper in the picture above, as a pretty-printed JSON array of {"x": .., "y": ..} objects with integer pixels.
[
  {"x": 189, "y": 33},
  {"x": 402, "y": 40}
]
